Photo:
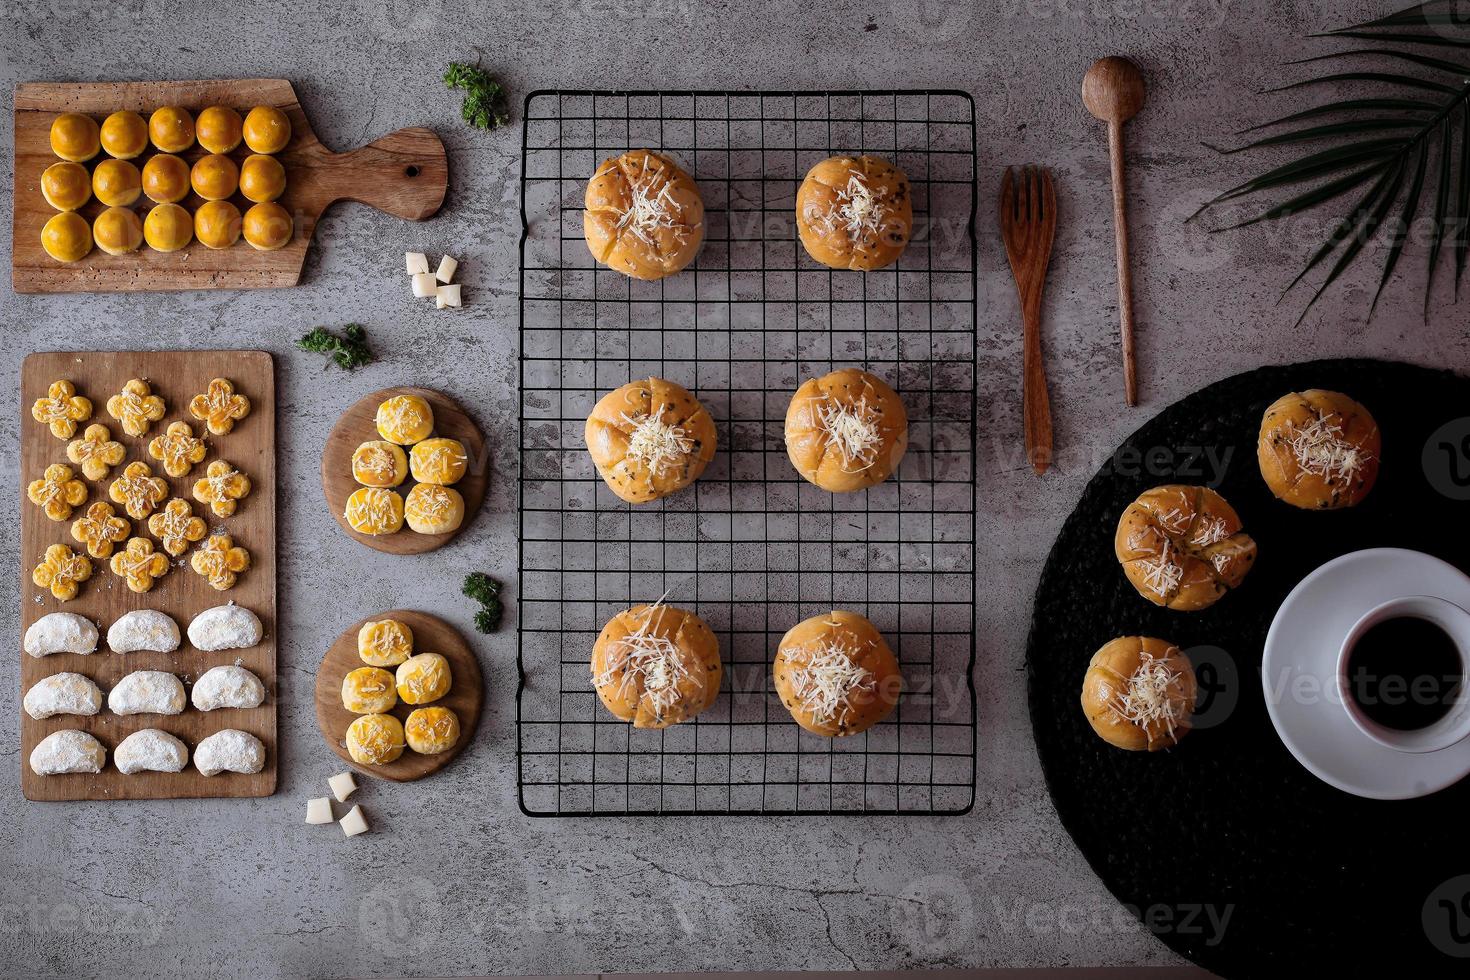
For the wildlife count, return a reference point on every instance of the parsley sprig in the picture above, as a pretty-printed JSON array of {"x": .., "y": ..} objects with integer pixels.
[
  {"x": 486, "y": 591},
  {"x": 484, "y": 101},
  {"x": 349, "y": 351}
]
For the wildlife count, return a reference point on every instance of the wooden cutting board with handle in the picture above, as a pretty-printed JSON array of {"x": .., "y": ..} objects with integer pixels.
[{"x": 405, "y": 173}]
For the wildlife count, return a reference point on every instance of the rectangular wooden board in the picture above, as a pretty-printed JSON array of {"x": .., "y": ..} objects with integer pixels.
[{"x": 177, "y": 376}]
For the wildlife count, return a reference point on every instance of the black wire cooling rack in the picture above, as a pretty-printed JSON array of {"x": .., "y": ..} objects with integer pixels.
[{"x": 751, "y": 547}]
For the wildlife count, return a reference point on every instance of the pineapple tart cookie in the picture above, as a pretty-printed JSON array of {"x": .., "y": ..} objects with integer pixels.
[
  {"x": 649, "y": 439},
  {"x": 139, "y": 565},
  {"x": 656, "y": 665},
  {"x": 405, "y": 419},
  {"x": 1138, "y": 693},
  {"x": 136, "y": 407},
  {"x": 368, "y": 691},
  {"x": 1319, "y": 450},
  {"x": 441, "y": 461},
  {"x": 432, "y": 509},
  {"x": 379, "y": 463},
  {"x": 100, "y": 529},
  {"x": 166, "y": 180},
  {"x": 75, "y": 137},
  {"x": 66, "y": 186},
  {"x": 846, "y": 431},
  {"x": 138, "y": 490},
  {"x": 168, "y": 228},
  {"x": 118, "y": 231},
  {"x": 66, "y": 237},
  {"x": 384, "y": 643},
  {"x": 62, "y": 571},
  {"x": 219, "y": 128},
  {"x": 644, "y": 216},
  {"x": 220, "y": 561},
  {"x": 375, "y": 740},
  {"x": 116, "y": 183},
  {"x": 96, "y": 452},
  {"x": 424, "y": 677},
  {"x": 266, "y": 129},
  {"x": 61, "y": 409},
  {"x": 374, "y": 510},
  {"x": 1183, "y": 547},
  {"x": 171, "y": 129},
  {"x": 58, "y": 492},
  {"x": 855, "y": 213},
  {"x": 124, "y": 135},
  {"x": 836, "y": 675},
  {"x": 222, "y": 488},
  {"x": 431, "y": 730},
  {"x": 220, "y": 407},
  {"x": 176, "y": 527},
  {"x": 178, "y": 449}
]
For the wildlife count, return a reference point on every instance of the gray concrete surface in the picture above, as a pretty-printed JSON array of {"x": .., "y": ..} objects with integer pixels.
[{"x": 455, "y": 880}]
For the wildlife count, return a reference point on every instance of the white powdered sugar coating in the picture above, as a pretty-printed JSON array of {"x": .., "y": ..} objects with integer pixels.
[
  {"x": 63, "y": 694},
  {"x": 227, "y": 627},
  {"x": 150, "y": 750},
  {"x": 230, "y": 750},
  {"x": 229, "y": 686},
  {"x": 61, "y": 632},
  {"x": 67, "y": 751},
  {"x": 143, "y": 629},
  {"x": 147, "y": 692}
]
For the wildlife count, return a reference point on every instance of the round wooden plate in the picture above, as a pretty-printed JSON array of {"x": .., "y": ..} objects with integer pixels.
[
  {"x": 359, "y": 424},
  {"x": 430, "y": 635}
]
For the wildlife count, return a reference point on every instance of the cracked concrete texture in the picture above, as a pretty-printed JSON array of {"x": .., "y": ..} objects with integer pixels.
[{"x": 453, "y": 879}]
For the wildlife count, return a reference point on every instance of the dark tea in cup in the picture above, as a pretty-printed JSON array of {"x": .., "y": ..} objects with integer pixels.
[{"x": 1405, "y": 673}]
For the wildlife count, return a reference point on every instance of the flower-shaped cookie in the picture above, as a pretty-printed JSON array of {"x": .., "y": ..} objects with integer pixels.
[
  {"x": 62, "y": 409},
  {"x": 219, "y": 561},
  {"x": 62, "y": 571},
  {"x": 96, "y": 452},
  {"x": 136, "y": 407},
  {"x": 219, "y": 407},
  {"x": 139, "y": 565},
  {"x": 100, "y": 529},
  {"x": 58, "y": 491},
  {"x": 222, "y": 488},
  {"x": 176, "y": 526},
  {"x": 178, "y": 449},
  {"x": 138, "y": 490}
]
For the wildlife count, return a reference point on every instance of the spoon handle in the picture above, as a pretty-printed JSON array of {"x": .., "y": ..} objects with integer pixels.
[{"x": 1125, "y": 271}]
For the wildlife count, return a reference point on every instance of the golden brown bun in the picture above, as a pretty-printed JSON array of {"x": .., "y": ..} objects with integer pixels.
[
  {"x": 1319, "y": 450},
  {"x": 1122, "y": 716},
  {"x": 379, "y": 463},
  {"x": 168, "y": 228},
  {"x": 374, "y": 510},
  {"x": 405, "y": 419},
  {"x": 656, "y": 665},
  {"x": 424, "y": 677},
  {"x": 368, "y": 691},
  {"x": 124, "y": 135},
  {"x": 75, "y": 137},
  {"x": 66, "y": 186},
  {"x": 217, "y": 224},
  {"x": 432, "y": 509},
  {"x": 385, "y": 642},
  {"x": 219, "y": 129},
  {"x": 431, "y": 730},
  {"x": 836, "y": 675},
  {"x": 262, "y": 178},
  {"x": 116, "y": 183},
  {"x": 649, "y": 439},
  {"x": 214, "y": 177},
  {"x": 171, "y": 129},
  {"x": 165, "y": 178},
  {"x": 846, "y": 431},
  {"x": 375, "y": 740},
  {"x": 855, "y": 213},
  {"x": 1182, "y": 546},
  {"x": 118, "y": 231},
  {"x": 644, "y": 215},
  {"x": 442, "y": 461},
  {"x": 266, "y": 129},
  {"x": 267, "y": 226}
]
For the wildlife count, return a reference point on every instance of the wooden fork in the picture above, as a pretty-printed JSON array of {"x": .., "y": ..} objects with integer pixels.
[{"x": 1028, "y": 221}]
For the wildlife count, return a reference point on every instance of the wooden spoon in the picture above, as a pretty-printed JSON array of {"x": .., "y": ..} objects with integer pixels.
[{"x": 1113, "y": 91}]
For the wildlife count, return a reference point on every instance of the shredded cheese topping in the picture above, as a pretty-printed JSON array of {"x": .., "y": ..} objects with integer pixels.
[
  {"x": 827, "y": 675},
  {"x": 1162, "y": 574},
  {"x": 853, "y": 429},
  {"x": 651, "y": 208},
  {"x": 1220, "y": 559},
  {"x": 1209, "y": 530},
  {"x": 655, "y": 443},
  {"x": 859, "y": 209},
  {"x": 1321, "y": 450},
  {"x": 371, "y": 510},
  {"x": 220, "y": 483},
  {"x": 648, "y": 660},
  {"x": 377, "y": 463},
  {"x": 1151, "y": 696}
]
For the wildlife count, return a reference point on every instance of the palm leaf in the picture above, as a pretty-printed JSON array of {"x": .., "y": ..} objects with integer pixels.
[
  {"x": 1423, "y": 61},
  {"x": 1441, "y": 209},
  {"x": 1311, "y": 198},
  {"x": 1399, "y": 228},
  {"x": 1347, "y": 105},
  {"x": 1310, "y": 133},
  {"x": 1386, "y": 78},
  {"x": 1359, "y": 213},
  {"x": 1362, "y": 231},
  {"x": 1462, "y": 201},
  {"x": 1395, "y": 37}
]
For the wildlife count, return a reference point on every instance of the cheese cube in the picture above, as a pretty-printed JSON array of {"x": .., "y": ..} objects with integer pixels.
[
  {"x": 319, "y": 810},
  {"x": 447, "y": 296},
  {"x": 424, "y": 284},
  {"x": 417, "y": 262},
  {"x": 343, "y": 786},
  {"x": 447, "y": 265},
  {"x": 354, "y": 823}
]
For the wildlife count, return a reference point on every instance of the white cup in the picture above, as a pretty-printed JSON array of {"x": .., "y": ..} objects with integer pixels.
[{"x": 1455, "y": 724}]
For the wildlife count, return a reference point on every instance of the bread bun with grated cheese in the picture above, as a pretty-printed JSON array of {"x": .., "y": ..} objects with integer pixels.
[
  {"x": 644, "y": 215},
  {"x": 650, "y": 438},
  {"x": 855, "y": 213},
  {"x": 1319, "y": 450},
  {"x": 656, "y": 665},
  {"x": 1139, "y": 693},
  {"x": 1183, "y": 547},
  {"x": 836, "y": 675},
  {"x": 846, "y": 431}
]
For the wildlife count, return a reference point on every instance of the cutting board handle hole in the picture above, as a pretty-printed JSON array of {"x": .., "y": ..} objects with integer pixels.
[{"x": 411, "y": 170}]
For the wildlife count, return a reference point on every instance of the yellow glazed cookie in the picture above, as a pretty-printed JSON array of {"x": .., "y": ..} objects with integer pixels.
[
  {"x": 166, "y": 179},
  {"x": 267, "y": 226},
  {"x": 374, "y": 510},
  {"x": 61, "y": 409},
  {"x": 441, "y": 461},
  {"x": 100, "y": 529},
  {"x": 217, "y": 224},
  {"x": 139, "y": 565},
  {"x": 219, "y": 129},
  {"x": 644, "y": 216},
  {"x": 267, "y": 129},
  {"x": 384, "y": 643},
  {"x": 178, "y": 449},
  {"x": 75, "y": 137},
  {"x": 57, "y": 492},
  {"x": 136, "y": 407},
  {"x": 375, "y": 740},
  {"x": 62, "y": 571},
  {"x": 168, "y": 228},
  {"x": 220, "y": 561},
  {"x": 66, "y": 237},
  {"x": 138, "y": 490},
  {"x": 116, "y": 183},
  {"x": 176, "y": 526},
  {"x": 1138, "y": 693},
  {"x": 118, "y": 231},
  {"x": 405, "y": 419},
  {"x": 66, "y": 186},
  {"x": 649, "y": 439},
  {"x": 431, "y": 730},
  {"x": 378, "y": 463},
  {"x": 96, "y": 452},
  {"x": 368, "y": 691},
  {"x": 846, "y": 431},
  {"x": 656, "y": 665},
  {"x": 219, "y": 407},
  {"x": 431, "y": 509},
  {"x": 855, "y": 213},
  {"x": 214, "y": 177},
  {"x": 262, "y": 178},
  {"x": 171, "y": 129},
  {"x": 222, "y": 488},
  {"x": 124, "y": 135},
  {"x": 836, "y": 675},
  {"x": 423, "y": 678}
]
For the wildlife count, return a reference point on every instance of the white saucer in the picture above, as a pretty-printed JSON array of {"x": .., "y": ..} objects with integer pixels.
[{"x": 1299, "y": 673}]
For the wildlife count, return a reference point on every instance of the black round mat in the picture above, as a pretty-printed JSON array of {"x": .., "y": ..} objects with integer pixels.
[{"x": 1225, "y": 846}]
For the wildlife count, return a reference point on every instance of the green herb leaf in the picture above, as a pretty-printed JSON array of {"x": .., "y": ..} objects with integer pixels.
[
  {"x": 484, "y": 101},
  {"x": 486, "y": 591},
  {"x": 349, "y": 351}
]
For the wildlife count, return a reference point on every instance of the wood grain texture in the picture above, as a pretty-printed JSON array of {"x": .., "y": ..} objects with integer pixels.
[
  {"x": 465, "y": 698},
  {"x": 359, "y": 424},
  {"x": 404, "y": 173},
  {"x": 1028, "y": 219},
  {"x": 177, "y": 376}
]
